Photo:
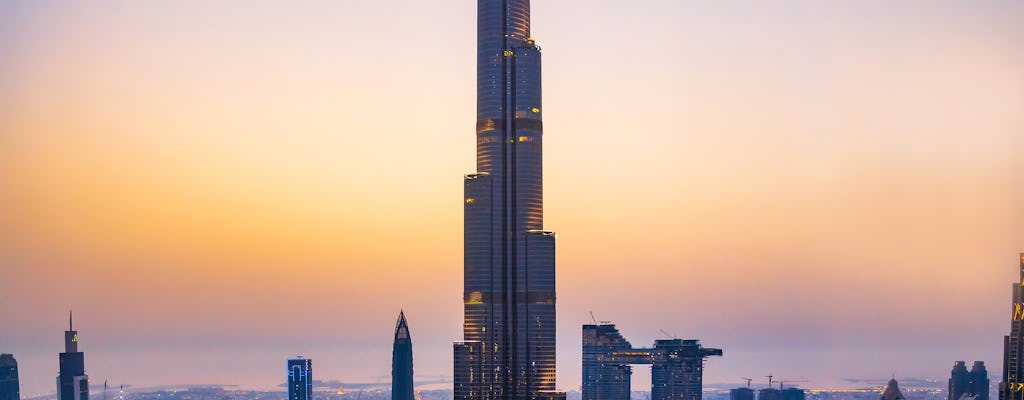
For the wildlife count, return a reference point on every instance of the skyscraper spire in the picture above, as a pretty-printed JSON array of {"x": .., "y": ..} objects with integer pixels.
[
  {"x": 401, "y": 361},
  {"x": 508, "y": 350},
  {"x": 71, "y": 320}
]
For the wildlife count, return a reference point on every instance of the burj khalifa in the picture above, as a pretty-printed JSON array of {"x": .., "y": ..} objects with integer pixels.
[{"x": 508, "y": 350}]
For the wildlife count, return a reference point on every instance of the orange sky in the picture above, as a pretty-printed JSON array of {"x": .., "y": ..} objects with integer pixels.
[{"x": 232, "y": 183}]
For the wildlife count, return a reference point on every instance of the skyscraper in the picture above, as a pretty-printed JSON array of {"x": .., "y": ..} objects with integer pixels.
[
  {"x": 893, "y": 392},
  {"x": 10, "y": 389},
  {"x": 72, "y": 382},
  {"x": 300, "y": 378},
  {"x": 1012, "y": 386},
  {"x": 741, "y": 394},
  {"x": 508, "y": 350},
  {"x": 979, "y": 384},
  {"x": 677, "y": 365},
  {"x": 401, "y": 362},
  {"x": 959, "y": 379}
]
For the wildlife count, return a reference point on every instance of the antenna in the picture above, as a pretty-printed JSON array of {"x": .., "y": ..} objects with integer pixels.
[{"x": 71, "y": 320}]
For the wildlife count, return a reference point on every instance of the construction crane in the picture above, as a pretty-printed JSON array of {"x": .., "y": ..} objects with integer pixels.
[
  {"x": 669, "y": 335},
  {"x": 592, "y": 319},
  {"x": 748, "y": 381},
  {"x": 769, "y": 376},
  {"x": 783, "y": 382}
]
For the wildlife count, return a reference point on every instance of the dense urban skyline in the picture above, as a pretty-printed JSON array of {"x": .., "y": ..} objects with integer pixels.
[{"x": 169, "y": 165}]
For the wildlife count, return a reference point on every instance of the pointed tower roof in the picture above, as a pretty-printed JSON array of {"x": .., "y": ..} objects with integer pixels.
[
  {"x": 401, "y": 327},
  {"x": 892, "y": 392}
]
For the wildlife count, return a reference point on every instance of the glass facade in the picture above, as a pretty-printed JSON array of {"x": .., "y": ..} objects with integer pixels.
[
  {"x": 401, "y": 361},
  {"x": 300, "y": 378},
  {"x": 9, "y": 384},
  {"x": 509, "y": 265},
  {"x": 1012, "y": 386}
]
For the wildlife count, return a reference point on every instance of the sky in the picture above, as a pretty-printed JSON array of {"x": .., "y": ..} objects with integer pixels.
[{"x": 824, "y": 190}]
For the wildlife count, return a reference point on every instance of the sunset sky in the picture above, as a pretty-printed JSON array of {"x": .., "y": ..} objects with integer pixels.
[{"x": 823, "y": 189}]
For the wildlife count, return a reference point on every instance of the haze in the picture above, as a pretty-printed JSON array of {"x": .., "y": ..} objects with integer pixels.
[{"x": 822, "y": 189}]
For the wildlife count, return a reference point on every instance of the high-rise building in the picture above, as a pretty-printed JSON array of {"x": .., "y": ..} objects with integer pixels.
[
  {"x": 959, "y": 381},
  {"x": 769, "y": 394},
  {"x": 892, "y": 392},
  {"x": 677, "y": 366},
  {"x": 1012, "y": 386},
  {"x": 10, "y": 389},
  {"x": 792, "y": 393},
  {"x": 979, "y": 385},
  {"x": 508, "y": 350},
  {"x": 300, "y": 378},
  {"x": 72, "y": 382},
  {"x": 401, "y": 361},
  {"x": 741, "y": 394}
]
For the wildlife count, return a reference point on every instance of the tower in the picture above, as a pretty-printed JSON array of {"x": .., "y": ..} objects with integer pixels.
[
  {"x": 959, "y": 379},
  {"x": 508, "y": 350},
  {"x": 401, "y": 362},
  {"x": 978, "y": 384},
  {"x": 72, "y": 382},
  {"x": 300, "y": 378},
  {"x": 9, "y": 384},
  {"x": 1012, "y": 386}
]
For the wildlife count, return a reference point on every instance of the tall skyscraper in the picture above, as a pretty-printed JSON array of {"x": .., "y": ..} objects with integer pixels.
[
  {"x": 300, "y": 378},
  {"x": 401, "y": 361},
  {"x": 979, "y": 384},
  {"x": 1012, "y": 386},
  {"x": 10, "y": 389},
  {"x": 959, "y": 381},
  {"x": 677, "y": 365},
  {"x": 508, "y": 350},
  {"x": 72, "y": 382}
]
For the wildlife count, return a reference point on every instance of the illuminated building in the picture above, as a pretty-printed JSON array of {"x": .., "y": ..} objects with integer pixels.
[
  {"x": 892, "y": 392},
  {"x": 508, "y": 350},
  {"x": 401, "y": 361},
  {"x": 741, "y": 394},
  {"x": 677, "y": 365},
  {"x": 1012, "y": 386},
  {"x": 72, "y": 382},
  {"x": 9, "y": 386},
  {"x": 300, "y": 378}
]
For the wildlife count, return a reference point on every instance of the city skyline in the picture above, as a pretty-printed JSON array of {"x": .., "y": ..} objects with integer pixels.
[{"x": 167, "y": 168}]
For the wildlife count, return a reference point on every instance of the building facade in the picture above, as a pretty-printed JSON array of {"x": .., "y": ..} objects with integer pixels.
[
  {"x": 10, "y": 387},
  {"x": 300, "y": 378},
  {"x": 893, "y": 392},
  {"x": 1012, "y": 385},
  {"x": 677, "y": 365},
  {"x": 508, "y": 351},
  {"x": 959, "y": 381},
  {"x": 401, "y": 361},
  {"x": 979, "y": 385},
  {"x": 72, "y": 382},
  {"x": 792, "y": 393},
  {"x": 741, "y": 394}
]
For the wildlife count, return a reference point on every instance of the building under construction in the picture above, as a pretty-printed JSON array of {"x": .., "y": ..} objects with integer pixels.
[{"x": 677, "y": 365}]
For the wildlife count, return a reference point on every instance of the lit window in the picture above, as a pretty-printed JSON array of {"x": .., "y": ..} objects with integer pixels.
[
  {"x": 470, "y": 200},
  {"x": 525, "y": 139}
]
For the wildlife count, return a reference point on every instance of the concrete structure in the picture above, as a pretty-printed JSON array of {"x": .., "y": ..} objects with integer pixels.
[
  {"x": 72, "y": 382},
  {"x": 677, "y": 365}
]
